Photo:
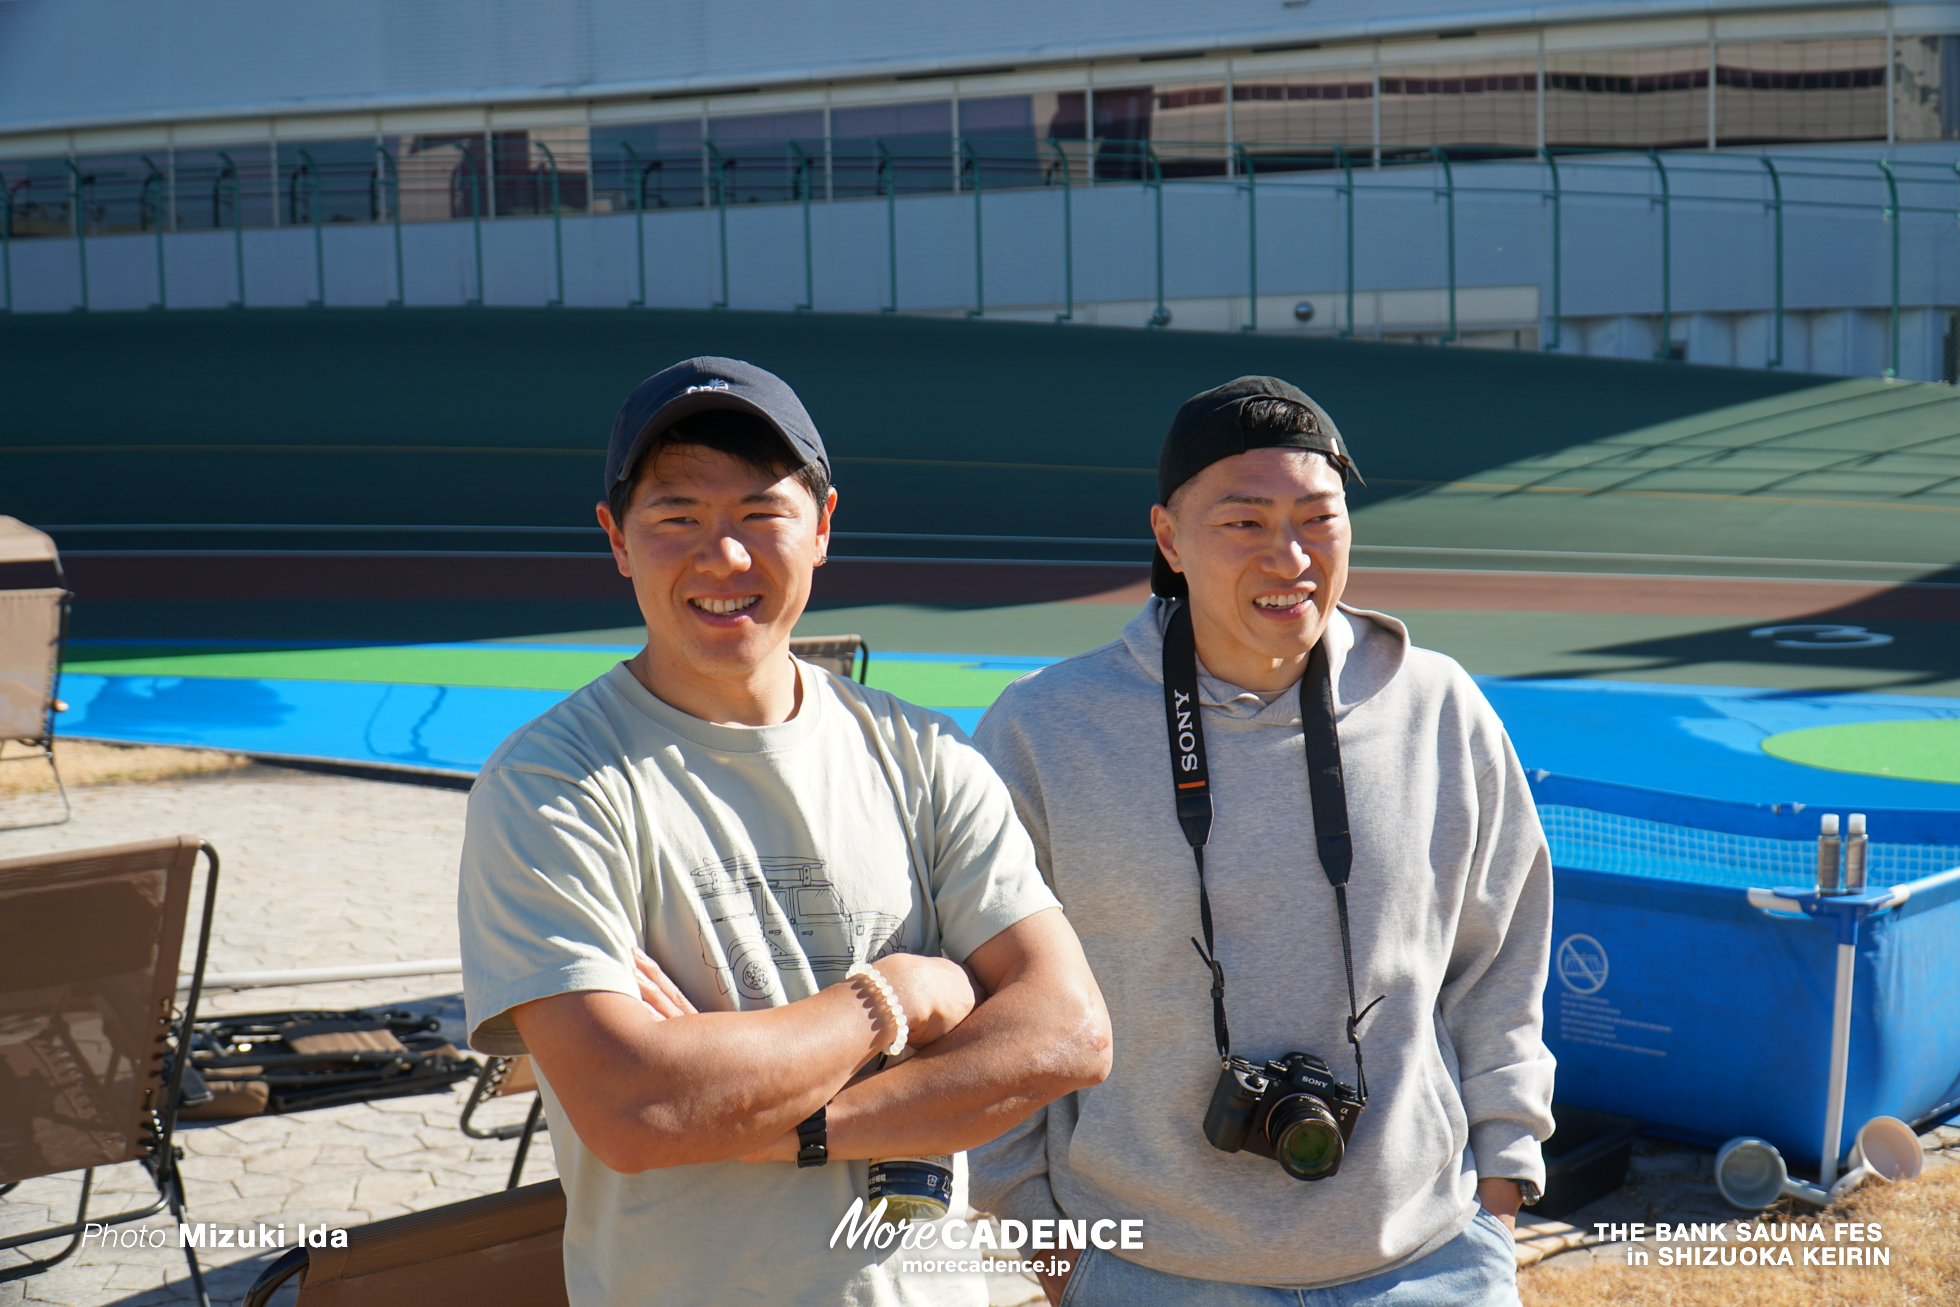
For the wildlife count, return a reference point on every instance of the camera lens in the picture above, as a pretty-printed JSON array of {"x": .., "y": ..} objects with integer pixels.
[{"x": 1306, "y": 1141}]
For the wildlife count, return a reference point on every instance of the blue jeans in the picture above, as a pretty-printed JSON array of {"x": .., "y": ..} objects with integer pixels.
[{"x": 1475, "y": 1269}]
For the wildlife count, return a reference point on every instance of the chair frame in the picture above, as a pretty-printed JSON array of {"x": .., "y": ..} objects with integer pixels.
[
  {"x": 54, "y": 705},
  {"x": 162, "y": 1159},
  {"x": 487, "y": 1085}
]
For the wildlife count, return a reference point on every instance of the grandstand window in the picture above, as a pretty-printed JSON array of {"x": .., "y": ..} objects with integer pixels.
[
  {"x": 1493, "y": 102},
  {"x": 522, "y": 163},
  {"x": 757, "y": 160},
  {"x": 918, "y": 148},
  {"x": 443, "y": 175},
  {"x": 344, "y": 178},
  {"x": 40, "y": 197},
  {"x": 1315, "y": 109},
  {"x": 1638, "y": 99},
  {"x": 1003, "y": 141},
  {"x": 1800, "y": 91},
  {"x": 217, "y": 188},
  {"x": 1926, "y": 87},
  {"x": 648, "y": 165}
]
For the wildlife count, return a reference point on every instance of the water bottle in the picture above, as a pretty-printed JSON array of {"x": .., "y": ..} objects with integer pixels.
[
  {"x": 1828, "y": 845},
  {"x": 914, "y": 1188},
  {"x": 1854, "y": 855}
]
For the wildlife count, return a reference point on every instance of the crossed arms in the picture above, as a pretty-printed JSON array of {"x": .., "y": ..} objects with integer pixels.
[{"x": 649, "y": 1082}]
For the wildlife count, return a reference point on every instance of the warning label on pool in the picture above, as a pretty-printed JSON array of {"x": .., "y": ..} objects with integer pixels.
[{"x": 1590, "y": 1019}]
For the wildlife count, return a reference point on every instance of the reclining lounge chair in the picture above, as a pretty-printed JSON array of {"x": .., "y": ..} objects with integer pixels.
[{"x": 89, "y": 1077}]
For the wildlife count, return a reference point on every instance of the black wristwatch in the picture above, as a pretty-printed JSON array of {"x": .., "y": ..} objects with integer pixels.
[{"x": 814, "y": 1134}]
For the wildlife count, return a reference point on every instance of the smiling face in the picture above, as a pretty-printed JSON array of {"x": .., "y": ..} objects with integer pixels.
[
  {"x": 1262, "y": 540},
  {"x": 720, "y": 553}
]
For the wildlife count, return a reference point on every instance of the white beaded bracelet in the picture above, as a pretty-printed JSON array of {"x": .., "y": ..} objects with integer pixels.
[{"x": 889, "y": 996}]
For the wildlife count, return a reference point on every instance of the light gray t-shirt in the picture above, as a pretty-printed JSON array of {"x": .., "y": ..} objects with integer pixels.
[{"x": 756, "y": 865}]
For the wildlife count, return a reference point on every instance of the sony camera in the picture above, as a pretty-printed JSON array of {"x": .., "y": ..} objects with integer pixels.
[{"x": 1292, "y": 1111}]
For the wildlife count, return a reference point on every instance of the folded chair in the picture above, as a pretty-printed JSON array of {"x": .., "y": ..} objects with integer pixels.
[
  {"x": 33, "y": 628},
  {"x": 506, "y": 1077},
  {"x": 836, "y": 653},
  {"x": 501, "y": 1248},
  {"x": 89, "y": 1076}
]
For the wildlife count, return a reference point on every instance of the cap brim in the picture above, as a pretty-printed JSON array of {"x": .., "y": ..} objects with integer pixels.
[
  {"x": 686, "y": 406},
  {"x": 1164, "y": 582}
]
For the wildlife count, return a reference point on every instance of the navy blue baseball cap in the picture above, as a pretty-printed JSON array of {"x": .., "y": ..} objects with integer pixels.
[
  {"x": 1208, "y": 428},
  {"x": 698, "y": 386}
]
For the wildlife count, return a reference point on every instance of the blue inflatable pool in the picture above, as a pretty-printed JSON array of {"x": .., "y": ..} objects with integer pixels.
[{"x": 1675, "y": 1001}]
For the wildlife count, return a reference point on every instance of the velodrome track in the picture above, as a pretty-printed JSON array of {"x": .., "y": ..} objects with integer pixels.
[{"x": 235, "y": 491}]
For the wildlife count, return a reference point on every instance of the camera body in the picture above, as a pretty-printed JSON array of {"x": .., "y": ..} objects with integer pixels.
[{"x": 1291, "y": 1110}]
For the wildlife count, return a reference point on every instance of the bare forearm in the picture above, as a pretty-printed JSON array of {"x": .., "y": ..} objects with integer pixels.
[
  {"x": 707, "y": 1087},
  {"x": 1021, "y": 1049}
]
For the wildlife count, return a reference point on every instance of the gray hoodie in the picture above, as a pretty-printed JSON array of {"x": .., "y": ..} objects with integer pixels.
[{"x": 1450, "y": 903}]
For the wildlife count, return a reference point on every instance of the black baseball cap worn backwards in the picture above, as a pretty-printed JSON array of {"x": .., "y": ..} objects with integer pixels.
[
  {"x": 1208, "y": 428},
  {"x": 697, "y": 386}
]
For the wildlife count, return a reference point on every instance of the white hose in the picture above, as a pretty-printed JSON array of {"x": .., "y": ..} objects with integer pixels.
[{"x": 321, "y": 975}]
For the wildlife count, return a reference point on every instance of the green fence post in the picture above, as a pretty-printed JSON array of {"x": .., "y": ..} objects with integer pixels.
[
  {"x": 155, "y": 207},
  {"x": 971, "y": 159},
  {"x": 804, "y": 182},
  {"x": 1068, "y": 236},
  {"x": 1346, "y": 189},
  {"x": 639, "y": 193},
  {"x": 1558, "y": 256},
  {"x": 1776, "y": 207},
  {"x": 1251, "y": 236},
  {"x": 889, "y": 172},
  {"x": 721, "y": 217},
  {"x": 388, "y": 181},
  {"x": 1162, "y": 316},
  {"x": 1449, "y": 223},
  {"x": 7, "y": 241},
  {"x": 230, "y": 171},
  {"x": 311, "y": 172},
  {"x": 1893, "y": 219},
  {"x": 557, "y": 228},
  {"x": 81, "y": 228},
  {"x": 1666, "y": 349},
  {"x": 476, "y": 216}
]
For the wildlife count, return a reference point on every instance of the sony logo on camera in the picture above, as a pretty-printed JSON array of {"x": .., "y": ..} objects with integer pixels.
[{"x": 1292, "y": 1111}]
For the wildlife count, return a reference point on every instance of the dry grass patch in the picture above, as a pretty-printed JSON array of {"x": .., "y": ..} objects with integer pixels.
[
  {"x": 1921, "y": 1223},
  {"x": 85, "y": 762}
]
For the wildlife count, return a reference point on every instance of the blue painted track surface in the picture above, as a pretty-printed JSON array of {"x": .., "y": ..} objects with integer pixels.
[
  {"x": 1686, "y": 739},
  {"x": 1706, "y": 740}
]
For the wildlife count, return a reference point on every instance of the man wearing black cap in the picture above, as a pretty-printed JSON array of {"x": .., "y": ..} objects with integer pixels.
[
  {"x": 1287, "y": 837},
  {"x": 705, "y": 891}
]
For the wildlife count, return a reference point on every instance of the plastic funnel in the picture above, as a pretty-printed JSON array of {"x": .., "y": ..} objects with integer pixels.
[{"x": 1751, "y": 1175}]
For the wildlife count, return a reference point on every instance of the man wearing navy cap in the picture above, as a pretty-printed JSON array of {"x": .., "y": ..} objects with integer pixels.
[
  {"x": 709, "y": 889},
  {"x": 1334, "y": 818}
]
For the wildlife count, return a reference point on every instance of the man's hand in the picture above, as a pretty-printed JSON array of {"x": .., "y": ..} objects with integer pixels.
[
  {"x": 656, "y": 990},
  {"x": 1501, "y": 1198},
  {"x": 936, "y": 994}
]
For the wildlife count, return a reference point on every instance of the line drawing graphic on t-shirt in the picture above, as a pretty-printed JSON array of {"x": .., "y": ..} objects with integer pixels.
[{"x": 765, "y": 913}]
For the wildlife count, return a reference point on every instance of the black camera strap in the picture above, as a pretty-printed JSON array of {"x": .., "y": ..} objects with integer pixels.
[{"x": 1326, "y": 788}]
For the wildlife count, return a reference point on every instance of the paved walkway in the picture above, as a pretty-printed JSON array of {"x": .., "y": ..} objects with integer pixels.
[{"x": 317, "y": 871}]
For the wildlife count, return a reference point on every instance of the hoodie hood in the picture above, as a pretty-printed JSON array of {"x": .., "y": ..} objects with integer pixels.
[{"x": 1365, "y": 650}]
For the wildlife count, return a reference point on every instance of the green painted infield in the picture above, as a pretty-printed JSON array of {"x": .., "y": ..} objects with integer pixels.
[
  {"x": 1908, "y": 750},
  {"x": 508, "y": 666}
]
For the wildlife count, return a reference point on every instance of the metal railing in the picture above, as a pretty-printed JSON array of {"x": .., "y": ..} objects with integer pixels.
[{"x": 632, "y": 178}]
